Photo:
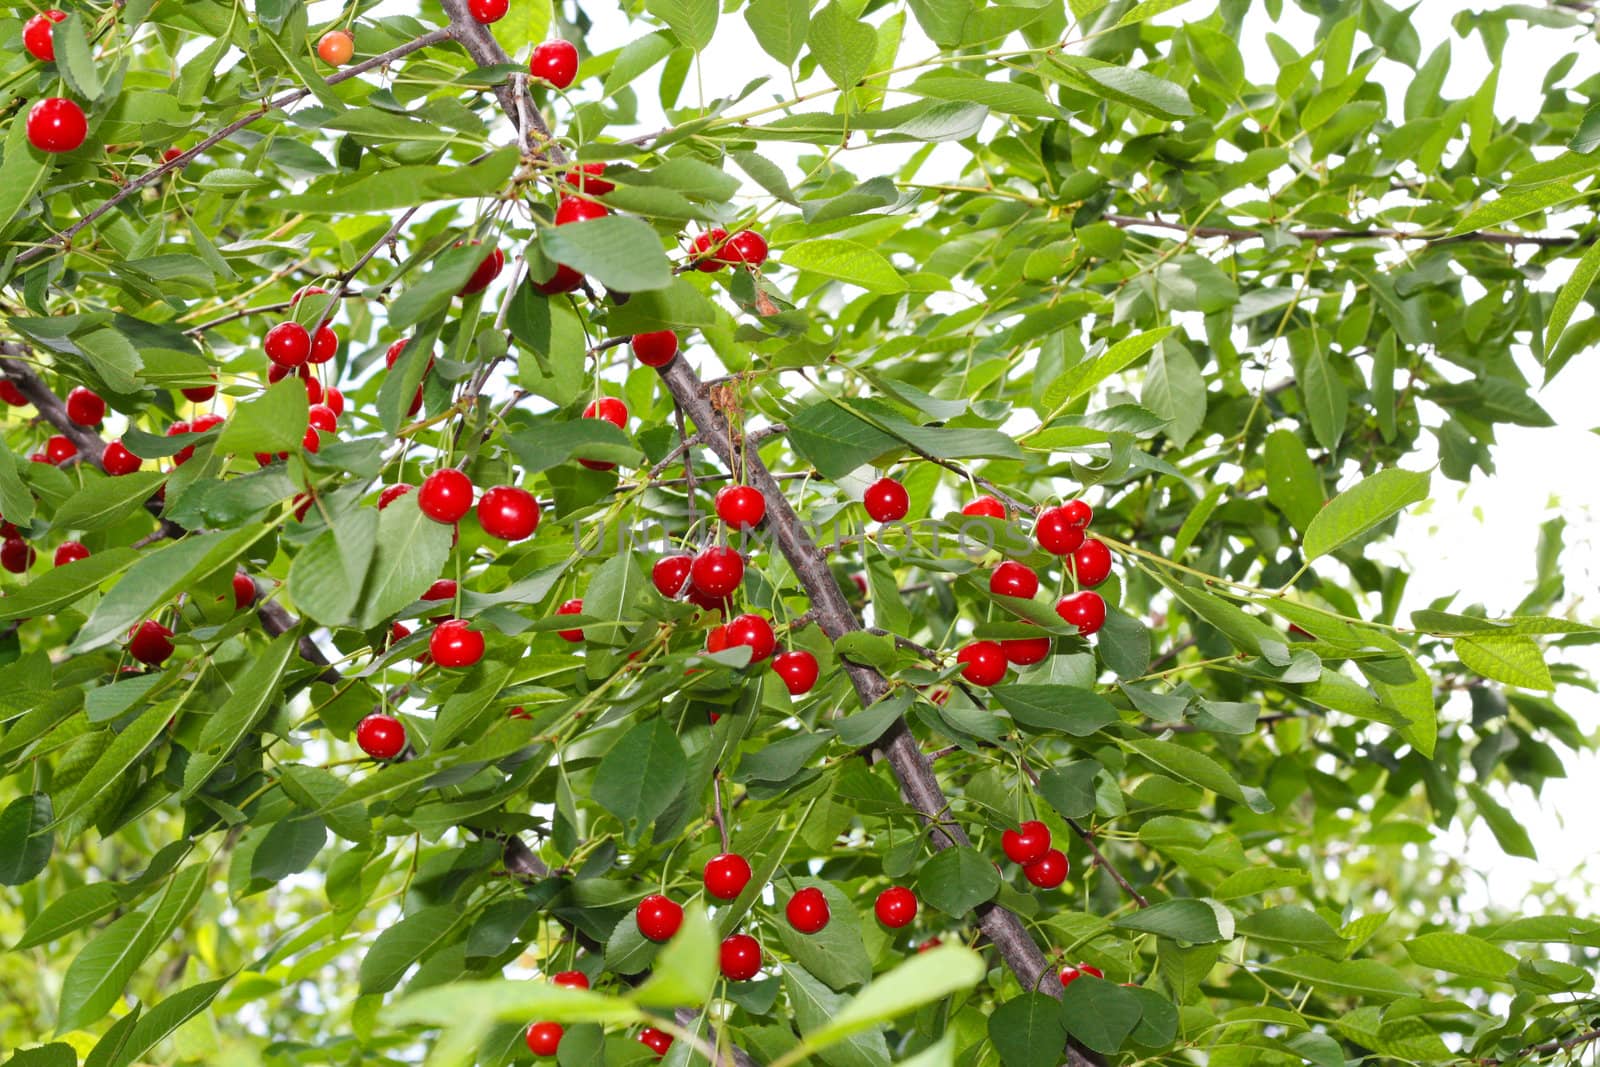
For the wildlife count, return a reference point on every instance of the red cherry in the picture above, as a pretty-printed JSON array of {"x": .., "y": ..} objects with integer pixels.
[
  {"x": 670, "y": 574},
  {"x": 929, "y": 945},
  {"x": 453, "y": 644},
  {"x": 487, "y": 271},
  {"x": 392, "y": 493},
  {"x": 756, "y": 633},
  {"x": 1025, "y": 651},
  {"x": 1014, "y": 579},
  {"x": 564, "y": 280},
  {"x": 716, "y": 639},
  {"x": 443, "y": 589},
  {"x": 488, "y": 12},
  {"x": 59, "y": 448},
  {"x": 85, "y": 407},
  {"x": 717, "y": 571},
  {"x": 276, "y": 374},
  {"x": 393, "y": 354},
  {"x": 654, "y": 349},
  {"x": 727, "y": 875},
  {"x": 416, "y": 403},
  {"x": 1078, "y": 513},
  {"x": 706, "y": 602},
  {"x": 305, "y": 291},
  {"x": 1091, "y": 563},
  {"x": 577, "y": 209},
  {"x": 807, "y": 911},
  {"x": 16, "y": 555},
  {"x": 150, "y": 643},
  {"x": 655, "y": 1040},
  {"x": 1048, "y": 871},
  {"x": 311, "y": 442},
  {"x": 1072, "y": 974},
  {"x": 334, "y": 399},
  {"x": 545, "y": 1038},
  {"x": 336, "y": 47},
  {"x": 798, "y": 669},
  {"x": 985, "y": 507},
  {"x": 321, "y": 417},
  {"x": 570, "y": 979},
  {"x": 571, "y": 607},
  {"x": 200, "y": 393},
  {"x": 746, "y": 247},
  {"x": 324, "y": 346},
  {"x": 118, "y": 460},
  {"x": 1085, "y": 610},
  {"x": 984, "y": 662},
  {"x": 11, "y": 394},
  {"x": 288, "y": 344},
  {"x": 886, "y": 500},
  {"x": 657, "y": 917},
  {"x": 707, "y": 247},
  {"x": 381, "y": 736},
  {"x": 313, "y": 390},
  {"x": 741, "y": 957},
  {"x": 609, "y": 408},
  {"x": 70, "y": 552},
  {"x": 895, "y": 907},
  {"x": 586, "y": 176},
  {"x": 509, "y": 513},
  {"x": 56, "y": 124},
  {"x": 446, "y": 495},
  {"x": 36, "y": 35},
  {"x": 741, "y": 506},
  {"x": 1027, "y": 842},
  {"x": 1057, "y": 532},
  {"x": 556, "y": 62},
  {"x": 244, "y": 591}
]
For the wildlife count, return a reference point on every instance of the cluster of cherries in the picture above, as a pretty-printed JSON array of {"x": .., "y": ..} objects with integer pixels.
[{"x": 54, "y": 124}]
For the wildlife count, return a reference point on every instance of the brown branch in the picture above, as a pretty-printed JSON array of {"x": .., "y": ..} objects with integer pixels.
[
  {"x": 1239, "y": 233},
  {"x": 486, "y": 52},
  {"x": 1547, "y": 1048}
]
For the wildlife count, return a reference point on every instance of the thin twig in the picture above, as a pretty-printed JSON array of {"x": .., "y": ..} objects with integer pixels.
[{"x": 1239, "y": 233}]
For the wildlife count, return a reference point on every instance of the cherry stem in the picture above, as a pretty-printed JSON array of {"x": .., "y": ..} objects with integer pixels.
[{"x": 716, "y": 808}]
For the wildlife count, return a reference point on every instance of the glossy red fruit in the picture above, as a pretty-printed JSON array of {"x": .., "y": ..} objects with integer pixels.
[
  {"x": 545, "y": 1038},
  {"x": 488, "y": 12},
  {"x": 336, "y": 47},
  {"x": 322, "y": 418},
  {"x": 56, "y": 124},
  {"x": 36, "y": 35},
  {"x": 70, "y": 552},
  {"x": 392, "y": 493},
  {"x": 571, "y": 607},
  {"x": 199, "y": 393},
  {"x": 85, "y": 407},
  {"x": 564, "y": 280},
  {"x": 717, "y": 570},
  {"x": 453, "y": 644},
  {"x": 654, "y": 349},
  {"x": 118, "y": 460},
  {"x": 446, "y": 495},
  {"x": 1085, "y": 610},
  {"x": 11, "y": 394},
  {"x": 706, "y": 248},
  {"x": 288, "y": 344},
  {"x": 741, "y": 506},
  {"x": 1078, "y": 513},
  {"x": 754, "y": 632},
  {"x": 886, "y": 500},
  {"x": 741, "y": 957},
  {"x": 716, "y": 639},
  {"x": 509, "y": 513},
  {"x": 577, "y": 209},
  {"x": 305, "y": 291},
  {"x": 587, "y": 177},
  {"x": 705, "y": 602},
  {"x": 985, "y": 507},
  {"x": 798, "y": 669},
  {"x": 747, "y": 247},
  {"x": 1025, "y": 651},
  {"x": 324, "y": 346},
  {"x": 312, "y": 441},
  {"x": 658, "y": 918},
  {"x": 244, "y": 591},
  {"x": 487, "y": 271},
  {"x": 334, "y": 399},
  {"x": 443, "y": 589},
  {"x": 807, "y": 911},
  {"x": 16, "y": 555},
  {"x": 1056, "y": 532},
  {"x": 984, "y": 662},
  {"x": 1091, "y": 563},
  {"x": 670, "y": 575},
  {"x": 381, "y": 736},
  {"x": 571, "y": 979},
  {"x": 727, "y": 875},
  {"x": 1048, "y": 871},
  {"x": 1072, "y": 974},
  {"x": 150, "y": 643},
  {"x": 59, "y": 448},
  {"x": 393, "y": 354},
  {"x": 1026, "y": 843},
  {"x": 1014, "y": 579},
  {"x": 655, "y": 1040},
  {"x": 556, "y": 62},
  {"x": 895, "y": 907},
  {"x": 609, "y": 408}
]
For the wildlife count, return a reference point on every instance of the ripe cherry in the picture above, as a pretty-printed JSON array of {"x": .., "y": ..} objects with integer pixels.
[
  {"x": 487, "y": 271},
  {"x": 509, "y": 513},
  {"x": 1014, "y": 579},
  {"x": 727, "y": 875},
  {"x": 199, "y": 394},
  {"x": 577, "y": 209},
  {"x": 443, "y": 589},
  {"x": 118, "y": 460},
  {"x": 609, "y": 408},
  {"x": 706, "y": 248},
  {"x": 488, "y": 12},
  {"x": 654, "y": 349},
  {"x": 1091, "y": 563},
  {"x": 244, "y": 591},
  {"x": 393, "y": 354},
  {"x": 657, "y": 917},
  {"x": 59, "y": 448},
  {"x": 741, "y": 506},
  {"x": 798, "y": 669},
  {"x": 324, "y": 346},
  {"x": 453, "y": 644},
  {"x": 556, "y": 62},
  {"x": 716, "y": 639},
  {"x": 1025, "y": 651},
  {"x": 717, "y": 570},
  {"x": 670, "y": 574},
  {"x": 1027, "y": 842},
  {"x": 16, "y": 555},
  {"x": 569, "y": 979},
  {"x": 985, "y": 507},
  {"x": 321, "y": 417},
  {"x": 984, "y": 662},
  {"x": 747, "y": 247},
  {"x": 446, "y": 495},
  {"x": 1085, "y": 610},
  {"x": 37, "y": 37},
  {"x": 1078, "y": 513},
  {"x": 392, "y": 493},
  {"x": 305, "y": 291},
  {"x": 545, "y": 1038},
  {"x": 11, "y": 394},
  {"x": 312, "y": 441},
  {"x": 56, "y": 124},
  {"x": 754, "y": 632},
  {"x": 655, "y": 1040},
  {"x": 886, "y": 500},
  {"x": 571, "y": 607},
  {"x": 1072, "y": 974},
  {"x": 895, "y": 907},
  {"x": 807, "y": 911},
  {"x": 334, "y": 399},
  {"x": 381, "y": 736},
  {"x": 1057, "y": 531},
  {"x": 150, "y": 643},
  {"x": 741, "y": 957},
  {"x": 70, "y": 552},
  {"x": 288, "y": 344},
  {"x": 564, "y": 280},
  {"x": 336, "y": 47},
  {"x": 85, "y": 407},
  {"x": 1049, "y": 870}
]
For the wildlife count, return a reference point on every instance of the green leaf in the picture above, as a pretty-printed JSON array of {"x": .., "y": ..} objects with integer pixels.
[
  {"x": 25, "y": 838},
  {"x": 124, "y": 750},
  {"x": 1069, "y": 788},
  {"x": 72, "y": 910},
  {"x": 1362, "y": 507},
  {"x": 114, "y": 358},
  {"x": 506, "y": 1001},
  {"x": 1326, "y": 398},
  {"x": 1175, "y": 390},
  {"x": 63, "y": 586},
  {"x": 165, "y": 1019},
  {"x": 104, "y": 502},
  {"x": 620, "y": 252},
  {"x": 551, "y": 442},
  {"x": 1027, "y": 1031},
  {"x": 22, "y": 172},
  {"x": 1291, "y": 925},
  {"x": 1081, "y": 379},
  {"x": 273, "y": 422},
  {"x": 1136, "y": 88},
  {"x": 525, "y": 24},
  {"x": 1056, "y": 708},
  {"x": 1460, "y": 954},
  {"x": 815, "y": 1006},
  {"x": 641, "y": 775},
  {"x": 289, "y": 847},
  {"x": 837, "y": 953},
  {"x": 845, "y": 261},
  {"x": 685, "y": 971},
  {"x": 254, "y": 691},
  {"x": 1195, "y": 921},
  {"x": 1511, "y": 834},
  {"x": 326, "y": 577},
  {"x": 411, "y": 554},
  {"x": 1367, "y": 979},
  {"x": 693, "y": 22},
  {"x": 780, "y": 27},
  {"x": 922, "y": 979},
  {"x": 1100, "y": 1014},
  {"x": 842, "y": 44},
  {"x": 412, "y": 939},
  {"x": 1200, "y": 769},
  {"x": 835, "y": 440},
  {"x": 1513, "y": 659},
  {"x": 958, "y": 879},
  {"x": 1572, "y": 292},
  {"x": 157, "y": 578},
  {"x": 1515, "y": 204},
  {"x": 75, "y": 60},
  {"x": 1293, "y": 485}
]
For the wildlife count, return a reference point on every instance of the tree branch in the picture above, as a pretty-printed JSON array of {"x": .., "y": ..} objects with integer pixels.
[
  {"x": 1547, "y": 1048},
  {"x": 486, "y": 52},
  {"x": 1239, "y": 233}
]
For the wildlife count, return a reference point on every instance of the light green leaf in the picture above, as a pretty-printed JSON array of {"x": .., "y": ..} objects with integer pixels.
[
  {"x": 685, "y": 971},
  {"x": 641, "y": 775},
  {"x": 1196, "y": 921},
  {"x": 254, "y": 691},
  {"x": 411, "y": 554},
  {"x": 1516, "y": 204},
  {"x": 922, "y": 979},
  {"x": 618, "y": 251},
  {"x": 1362, "y": 507},
  {"x": 1460, "y": 954},
  {"x": 845, "y": 261},
  {"x": 273, "y": 422},
  {"x": 693, "y": 21},
  {"x": 842, "y": 44}
]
